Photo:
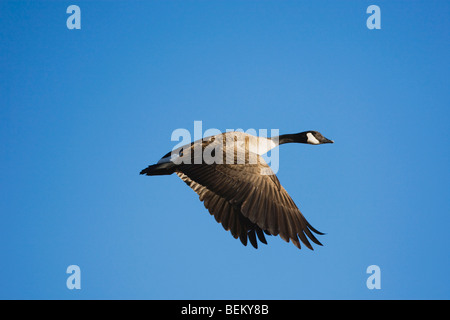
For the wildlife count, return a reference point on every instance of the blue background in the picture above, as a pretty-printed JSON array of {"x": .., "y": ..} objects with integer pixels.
[{"x": 83, "y": 111}]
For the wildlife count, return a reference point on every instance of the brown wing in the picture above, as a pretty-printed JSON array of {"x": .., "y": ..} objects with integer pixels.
[
  {"x": 247, "y": 198},
  {"x": 227, "y": 214}
]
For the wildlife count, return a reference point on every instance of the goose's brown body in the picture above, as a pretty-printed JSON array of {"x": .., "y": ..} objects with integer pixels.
[{"x": 244, "y": 195}]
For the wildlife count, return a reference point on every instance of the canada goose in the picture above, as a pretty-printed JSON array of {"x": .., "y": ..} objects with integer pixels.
[{"x": 244, "y": 195}]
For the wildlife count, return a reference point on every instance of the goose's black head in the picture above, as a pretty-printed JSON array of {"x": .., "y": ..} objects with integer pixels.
[
  {"x": 309, "y": 137},
  {"x": 315, "y": 137}
]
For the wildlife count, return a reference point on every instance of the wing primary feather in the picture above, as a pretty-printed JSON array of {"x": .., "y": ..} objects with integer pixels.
[
  {"x": 313, "y": 229},
  {"x": 252, "y": 238},
  {"x": 260, "y": 235}
]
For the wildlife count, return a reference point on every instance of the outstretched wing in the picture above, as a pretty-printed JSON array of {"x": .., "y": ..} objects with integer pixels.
[
  {"x": 247, "y": 199},
  {"x": 228, "y": 215}
]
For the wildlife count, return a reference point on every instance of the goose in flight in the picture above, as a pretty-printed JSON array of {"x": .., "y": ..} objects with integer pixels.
[{"x": 238, "y": 187}]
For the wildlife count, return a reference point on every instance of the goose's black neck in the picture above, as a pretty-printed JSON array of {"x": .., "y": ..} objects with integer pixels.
[{"x": 296, "y": 137}]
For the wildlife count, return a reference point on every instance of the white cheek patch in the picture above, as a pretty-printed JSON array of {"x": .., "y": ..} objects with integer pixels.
[{"x": 312, "y": 139}]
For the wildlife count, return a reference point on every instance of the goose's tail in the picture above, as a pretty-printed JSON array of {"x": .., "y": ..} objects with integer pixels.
[{"x": 159, "y": 169}]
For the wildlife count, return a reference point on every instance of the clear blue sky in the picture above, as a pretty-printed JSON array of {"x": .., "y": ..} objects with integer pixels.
[{"x": 83, "y": 111}]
